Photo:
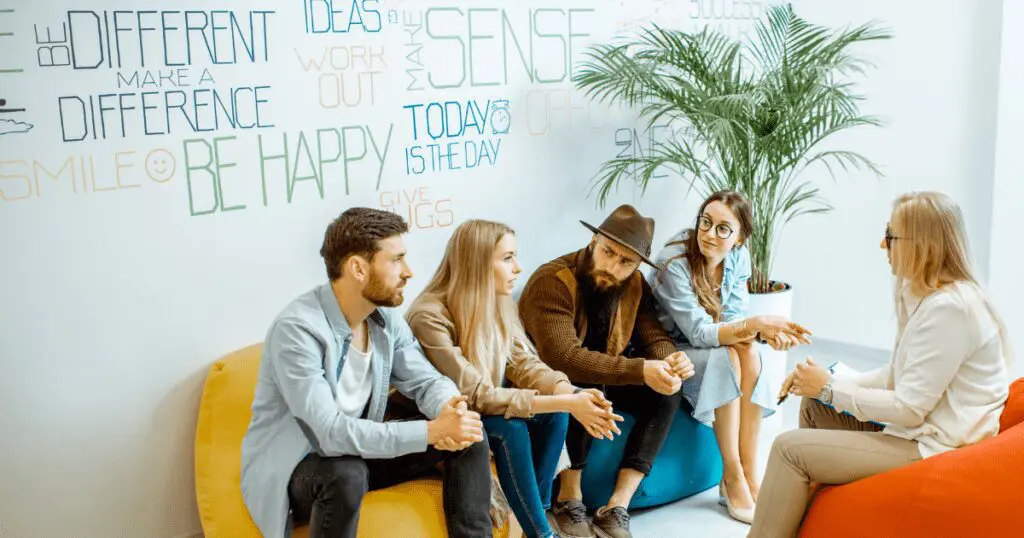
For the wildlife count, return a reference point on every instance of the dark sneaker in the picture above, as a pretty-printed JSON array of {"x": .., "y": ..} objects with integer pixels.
[
  {"x": 570, "y": 519},
  {"x": 612, "y": 523}
]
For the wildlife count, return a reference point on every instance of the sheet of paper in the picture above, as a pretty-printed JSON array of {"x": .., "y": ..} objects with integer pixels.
[{"x": 840, "y": 368}]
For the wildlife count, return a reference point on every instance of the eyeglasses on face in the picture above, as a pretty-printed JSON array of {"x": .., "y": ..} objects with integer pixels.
[
  {"x": 889, "y": 238},
  {"x": 722, "y": 230}
]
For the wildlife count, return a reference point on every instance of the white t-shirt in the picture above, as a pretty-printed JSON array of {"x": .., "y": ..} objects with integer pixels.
[
  {"x": 948, "y": 379},
  {"x": 355, "y": 382}
]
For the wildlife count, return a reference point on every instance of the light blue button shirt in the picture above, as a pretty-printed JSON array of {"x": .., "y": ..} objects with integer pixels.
[
  {"x": 295, "y": 408},
  {"x": 678, "y": 310}
]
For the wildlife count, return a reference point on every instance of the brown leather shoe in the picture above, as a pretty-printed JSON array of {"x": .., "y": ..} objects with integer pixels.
[
  {"x": 569, "y": 519},
  {"x": 612, "y": 523}
]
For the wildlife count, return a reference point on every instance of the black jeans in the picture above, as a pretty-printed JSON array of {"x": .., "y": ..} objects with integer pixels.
[
  {"x": 653, "y": 413},
  {"x": 328, "y": 492}
]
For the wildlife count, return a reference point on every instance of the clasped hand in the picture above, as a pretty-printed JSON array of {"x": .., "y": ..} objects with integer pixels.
[
  {"x": 666, "y": 376},
  {"x": 783, "y": 334},
  {"x": 456, "y": 428},
  {"x": 594, "y": 412}
]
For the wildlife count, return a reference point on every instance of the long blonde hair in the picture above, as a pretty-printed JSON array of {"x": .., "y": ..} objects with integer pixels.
[
  {"x": 487, "y": 326},
  {"x": 930, "y": 251}
]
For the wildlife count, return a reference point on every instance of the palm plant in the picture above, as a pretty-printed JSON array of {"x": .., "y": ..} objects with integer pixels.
[{"x": 752, "y": 115}]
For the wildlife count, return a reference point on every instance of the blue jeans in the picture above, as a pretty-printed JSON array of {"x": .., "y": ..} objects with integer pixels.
[{"x": 526, "y": 452}]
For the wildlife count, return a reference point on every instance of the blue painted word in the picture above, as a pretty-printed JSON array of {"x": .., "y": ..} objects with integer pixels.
[
  {"x": 443, "y": 122},
  {"x": 130, "y": 114},
  {"x": 451, "y": 156},
  {"x": 341, "y": 16},
  {"x": 95, "y": 39},
  {"x": 452, "y": 119}
]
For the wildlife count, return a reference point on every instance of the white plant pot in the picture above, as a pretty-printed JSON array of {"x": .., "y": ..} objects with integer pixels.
[{"x": 773, "y": 363}]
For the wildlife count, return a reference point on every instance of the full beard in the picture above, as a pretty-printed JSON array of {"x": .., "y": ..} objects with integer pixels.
[
  {"x": 587, "y": 276},
  {"x": 380, "y": 294},
  {"x": 599, "y": 297}
]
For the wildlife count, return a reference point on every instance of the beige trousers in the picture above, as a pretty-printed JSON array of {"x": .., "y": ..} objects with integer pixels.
[{"x": 829, "y": 448}]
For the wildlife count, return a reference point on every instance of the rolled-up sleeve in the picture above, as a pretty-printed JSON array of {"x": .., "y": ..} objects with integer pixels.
[
  {"x": 737, "y": 301},
  {"x": 674, "y": 291},
  {"x": 525, "y": 369}
]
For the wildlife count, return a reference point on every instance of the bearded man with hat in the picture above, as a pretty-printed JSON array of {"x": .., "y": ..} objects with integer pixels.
[{"x": 591, "y": 315}]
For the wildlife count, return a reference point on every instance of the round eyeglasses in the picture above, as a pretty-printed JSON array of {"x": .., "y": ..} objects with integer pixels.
[{"x": 722, "y": 230}]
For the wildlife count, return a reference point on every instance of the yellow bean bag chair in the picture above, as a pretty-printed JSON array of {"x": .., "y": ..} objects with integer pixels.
[{"x": 406, "y": 510}]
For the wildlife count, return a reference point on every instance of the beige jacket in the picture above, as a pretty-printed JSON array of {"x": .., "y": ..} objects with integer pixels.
[
  {"x": 486, "y": 389},
  {"x": 947, "y": 382}
]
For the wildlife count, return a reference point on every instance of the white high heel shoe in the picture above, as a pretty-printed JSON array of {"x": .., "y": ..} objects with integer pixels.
[{"x": 744, "y": 515}]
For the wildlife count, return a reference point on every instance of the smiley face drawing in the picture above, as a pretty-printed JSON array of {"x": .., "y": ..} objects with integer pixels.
[
  {"x": 501, "y": 117},
  {"x": 160, "y": 165}
]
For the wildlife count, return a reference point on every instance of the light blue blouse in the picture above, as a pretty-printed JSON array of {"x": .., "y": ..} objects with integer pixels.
[{"x": 678, "y": 310}]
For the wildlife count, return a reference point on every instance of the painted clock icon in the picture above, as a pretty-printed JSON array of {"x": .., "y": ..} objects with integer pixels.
[{"x": 501, "y": 117}]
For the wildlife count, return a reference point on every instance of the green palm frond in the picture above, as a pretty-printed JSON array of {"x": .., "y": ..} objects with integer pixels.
[{"x": 753, "y": 115}]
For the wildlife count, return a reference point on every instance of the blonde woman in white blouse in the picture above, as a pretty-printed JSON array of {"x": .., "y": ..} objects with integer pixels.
[{"x": 944, "y": 387}]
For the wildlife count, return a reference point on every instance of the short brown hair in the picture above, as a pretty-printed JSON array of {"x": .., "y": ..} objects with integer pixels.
[{"x": 358, "y": 231}]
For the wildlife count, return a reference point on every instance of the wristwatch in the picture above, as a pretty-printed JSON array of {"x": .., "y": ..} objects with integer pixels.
[{"x": 825, "y": 396}]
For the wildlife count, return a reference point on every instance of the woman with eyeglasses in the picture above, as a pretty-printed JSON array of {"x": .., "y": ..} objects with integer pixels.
[
  {"x": 944, "y": 387},
  {"x": 701, "y": 290}
]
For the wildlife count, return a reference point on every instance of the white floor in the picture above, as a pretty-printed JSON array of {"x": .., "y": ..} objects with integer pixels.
[{"x": 701, "y": 515}]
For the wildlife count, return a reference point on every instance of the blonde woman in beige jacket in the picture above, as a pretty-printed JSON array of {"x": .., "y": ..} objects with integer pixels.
[
  {"x": 944, "y": 387},
  {"x": 468, "y": 326}
]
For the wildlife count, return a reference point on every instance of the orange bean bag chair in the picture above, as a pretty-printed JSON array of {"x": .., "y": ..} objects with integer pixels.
[
  {"x": 410, "y": 509},
  {"x": 968, "y": 492}
]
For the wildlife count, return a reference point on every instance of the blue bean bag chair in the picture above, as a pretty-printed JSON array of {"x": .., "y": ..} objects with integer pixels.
[{"x": 689, "y": 463}]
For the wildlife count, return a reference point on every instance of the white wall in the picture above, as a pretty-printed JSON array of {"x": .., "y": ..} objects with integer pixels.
[
  {"x": 1007, "y": 226},
  {"x": 935, "y": 86},
  {"x": 117, "y": 298}
]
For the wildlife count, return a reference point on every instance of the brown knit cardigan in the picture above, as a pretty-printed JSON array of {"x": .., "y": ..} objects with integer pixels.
[{"x": 552, "y": 314}]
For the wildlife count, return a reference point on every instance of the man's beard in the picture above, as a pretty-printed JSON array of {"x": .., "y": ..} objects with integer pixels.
[
  {"x": 599, "y": 300},
  {"x": 609, "y": 286},
  {"x": 380, "y": 294}
]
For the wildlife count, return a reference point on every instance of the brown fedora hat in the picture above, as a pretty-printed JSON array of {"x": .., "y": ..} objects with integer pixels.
[{"x": 627, "y": 227}]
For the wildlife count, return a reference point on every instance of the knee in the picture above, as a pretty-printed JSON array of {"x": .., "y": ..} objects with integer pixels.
[
  {"x": 668, "y": 404},
  {"x": 346, "y": 480},
  {"x": 745, "y": 347},
  {"x": 477, "y": 452},
  {"x": 556, "y": 425},
  {"x": 507, "y": 430},
  {"x": 559, "y": 421},
  {"x": 734, "y": 359},
  {"x": 748, "y": 360},
  {"x": 783, "y": 445},
  {"x": 788, "y": 444}
]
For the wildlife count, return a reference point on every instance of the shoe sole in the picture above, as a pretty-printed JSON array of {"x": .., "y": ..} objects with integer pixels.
[
  {"x": 600, "y": 533},
  {"x": 558, "y": 530}
]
